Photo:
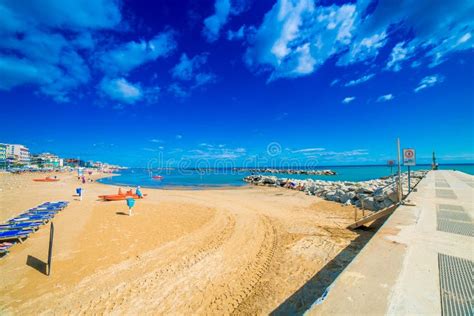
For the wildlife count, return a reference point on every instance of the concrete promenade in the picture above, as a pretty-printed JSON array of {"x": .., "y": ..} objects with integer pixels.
[{"x": 420, "y": 262}]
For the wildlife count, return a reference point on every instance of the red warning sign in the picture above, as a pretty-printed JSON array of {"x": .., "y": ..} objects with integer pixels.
[{"x": 409, "y": 157}]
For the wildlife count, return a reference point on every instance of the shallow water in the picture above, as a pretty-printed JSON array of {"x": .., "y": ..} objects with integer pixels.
[{"x": 222, "y": 177}]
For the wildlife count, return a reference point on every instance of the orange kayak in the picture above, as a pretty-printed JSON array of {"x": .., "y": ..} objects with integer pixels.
[
  {"x": 46, "y": 180},
  {"x": 119, "y": 197}
]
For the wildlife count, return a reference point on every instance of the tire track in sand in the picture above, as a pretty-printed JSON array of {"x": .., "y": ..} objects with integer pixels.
[
  {"x": 244, "y": 283},
  {"x": 153, "y": 284},
  {"x": 114, "y": 287}
]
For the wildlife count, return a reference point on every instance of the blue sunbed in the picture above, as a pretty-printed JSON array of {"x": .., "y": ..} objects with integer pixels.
[
  {"x": 14, "y": 234},
  {"x": 20, "y": 225},
  {"x": 31, "y": 218}
]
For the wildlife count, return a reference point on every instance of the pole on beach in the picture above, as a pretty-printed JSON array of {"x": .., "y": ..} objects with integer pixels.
[
  {"x": 50, "y": 249},
  {"x": 400, "y": 192},
  {"x": 409, "y": 184}
]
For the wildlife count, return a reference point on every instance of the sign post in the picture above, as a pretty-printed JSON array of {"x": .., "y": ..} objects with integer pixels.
[
  {"x": 400, "y": 191},
  {"x": 409, "y": 159},
  {"x": 50, "y": 251}
]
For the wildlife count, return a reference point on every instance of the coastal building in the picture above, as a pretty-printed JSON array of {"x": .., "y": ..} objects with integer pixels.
[
  {"x": 17, "y": 154},
  {"x": 3, "y": 156},
  {"x": 73, "y": 162},
  {"x": 47, "y": 160}
]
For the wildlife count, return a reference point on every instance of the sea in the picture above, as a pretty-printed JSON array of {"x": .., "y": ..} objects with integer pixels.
[{"x": 215, "y": 178}]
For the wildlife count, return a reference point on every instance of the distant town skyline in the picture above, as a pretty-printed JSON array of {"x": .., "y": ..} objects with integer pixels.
[{"x": 335, "y": 82}]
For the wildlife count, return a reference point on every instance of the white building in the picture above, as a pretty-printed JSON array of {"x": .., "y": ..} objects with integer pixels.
[
  {"x": 17, "y": 153},
  {"x": 47, "y": 160}
]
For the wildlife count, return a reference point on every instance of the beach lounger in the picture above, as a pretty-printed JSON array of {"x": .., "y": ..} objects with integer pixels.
[
  {"x": 15, "y": 235},
  {"x": 5, "y": 246},
  {"x": 41, "y": 221},
  {"x": 45, "y": 214},
  {"x": 21, "y": 226},
  {"x": 40, "y": 212},
  {"x": 58, "y": 206},
  {"x": 50, "y": 207},
  {"x": 31, "y": 218},
  {"x": 54, "y": 204}
]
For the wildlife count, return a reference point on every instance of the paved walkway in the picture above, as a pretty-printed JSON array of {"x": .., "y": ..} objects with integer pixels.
[{"x": 419, "y": 262}]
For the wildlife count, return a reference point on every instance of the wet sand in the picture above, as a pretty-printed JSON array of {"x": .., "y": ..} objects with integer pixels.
[{"x": 250, "y": 250}]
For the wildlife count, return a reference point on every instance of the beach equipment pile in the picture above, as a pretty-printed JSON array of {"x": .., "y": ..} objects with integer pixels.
[
  {"x": 22, "y": 226},
  {"x": 120, "y": 196},
  {"x": 371, "y": 195}
]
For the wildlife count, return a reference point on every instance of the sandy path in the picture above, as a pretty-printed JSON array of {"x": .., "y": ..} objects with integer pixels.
[{"x": 242, "y": 251}]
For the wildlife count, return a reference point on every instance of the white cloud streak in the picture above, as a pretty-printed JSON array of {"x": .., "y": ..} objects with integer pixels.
[
  {"x": 429, "y": 81},
  {"x": 347, "y": 100}
]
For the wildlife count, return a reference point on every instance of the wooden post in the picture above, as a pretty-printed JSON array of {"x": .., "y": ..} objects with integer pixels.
[{"x": 50, "y": 250}]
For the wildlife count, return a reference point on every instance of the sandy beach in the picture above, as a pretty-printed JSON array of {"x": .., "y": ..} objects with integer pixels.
[{"x": 243, "y": 250}]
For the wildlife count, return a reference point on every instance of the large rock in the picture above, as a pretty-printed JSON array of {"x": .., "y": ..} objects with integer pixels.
[
  {"x": 332, "y": 196},
  {"x": 393, "y": 196},
  {"x": 368, "y": 203},
  {"x": 347, "y": 196}
]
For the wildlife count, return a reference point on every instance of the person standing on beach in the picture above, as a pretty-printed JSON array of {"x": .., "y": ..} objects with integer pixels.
[
  {"x": 130, "y": 204},
  {"x": 139, "y": 192}
]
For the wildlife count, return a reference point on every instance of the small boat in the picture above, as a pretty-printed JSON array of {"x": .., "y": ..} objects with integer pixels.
[
  {"x": 157, "y": 177},
  {"x": 47, "y": 179},
  {"x": 119, "y": 197}
]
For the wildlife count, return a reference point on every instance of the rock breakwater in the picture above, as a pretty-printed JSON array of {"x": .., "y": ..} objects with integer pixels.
[
  {"x": 326, "y": 172},
  {"x": 372, "y": 195}
]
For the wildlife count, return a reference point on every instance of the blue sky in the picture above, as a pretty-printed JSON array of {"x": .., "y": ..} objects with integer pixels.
[{"x": 330, "y": 82}]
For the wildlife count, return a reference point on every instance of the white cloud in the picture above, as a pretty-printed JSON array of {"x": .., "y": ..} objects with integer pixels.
[
  {"x": 398, "y": 55},
  {"x": 189, "y": 70},
  {"x": 206, "y": 145},
  {"x": 187, "y": 67},
  {"x": 179, "y": 136},
  {"x": 366, "y": 48},
  {"x": 126, "y": 57},
  {"x": 463, "y": 39},
  {"x": 212, "y": 152},
  {"x": 236, "y": 35},
  {"x": 359, "y": 80},
  {"x": 155, "y": 140},
  {"x": 121, "y": 90},
  {"x": 296, "y": 37},
  {"x": 203, "y": 78},
  {"x": 178, "y": 90},
  {"x": 348, "y": 156},
  {"x": 309, "y": 150},
  {"x": 52, "y": 33},
  {"x": 347, "y": 100},
  {"x": 214, "y": 23},
  {"x": 385, "y": 97},
  {"x": 428, "y": 82}
]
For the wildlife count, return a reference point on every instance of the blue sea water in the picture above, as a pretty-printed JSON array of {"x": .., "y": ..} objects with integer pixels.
[{"x": 222, "y": 177}]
